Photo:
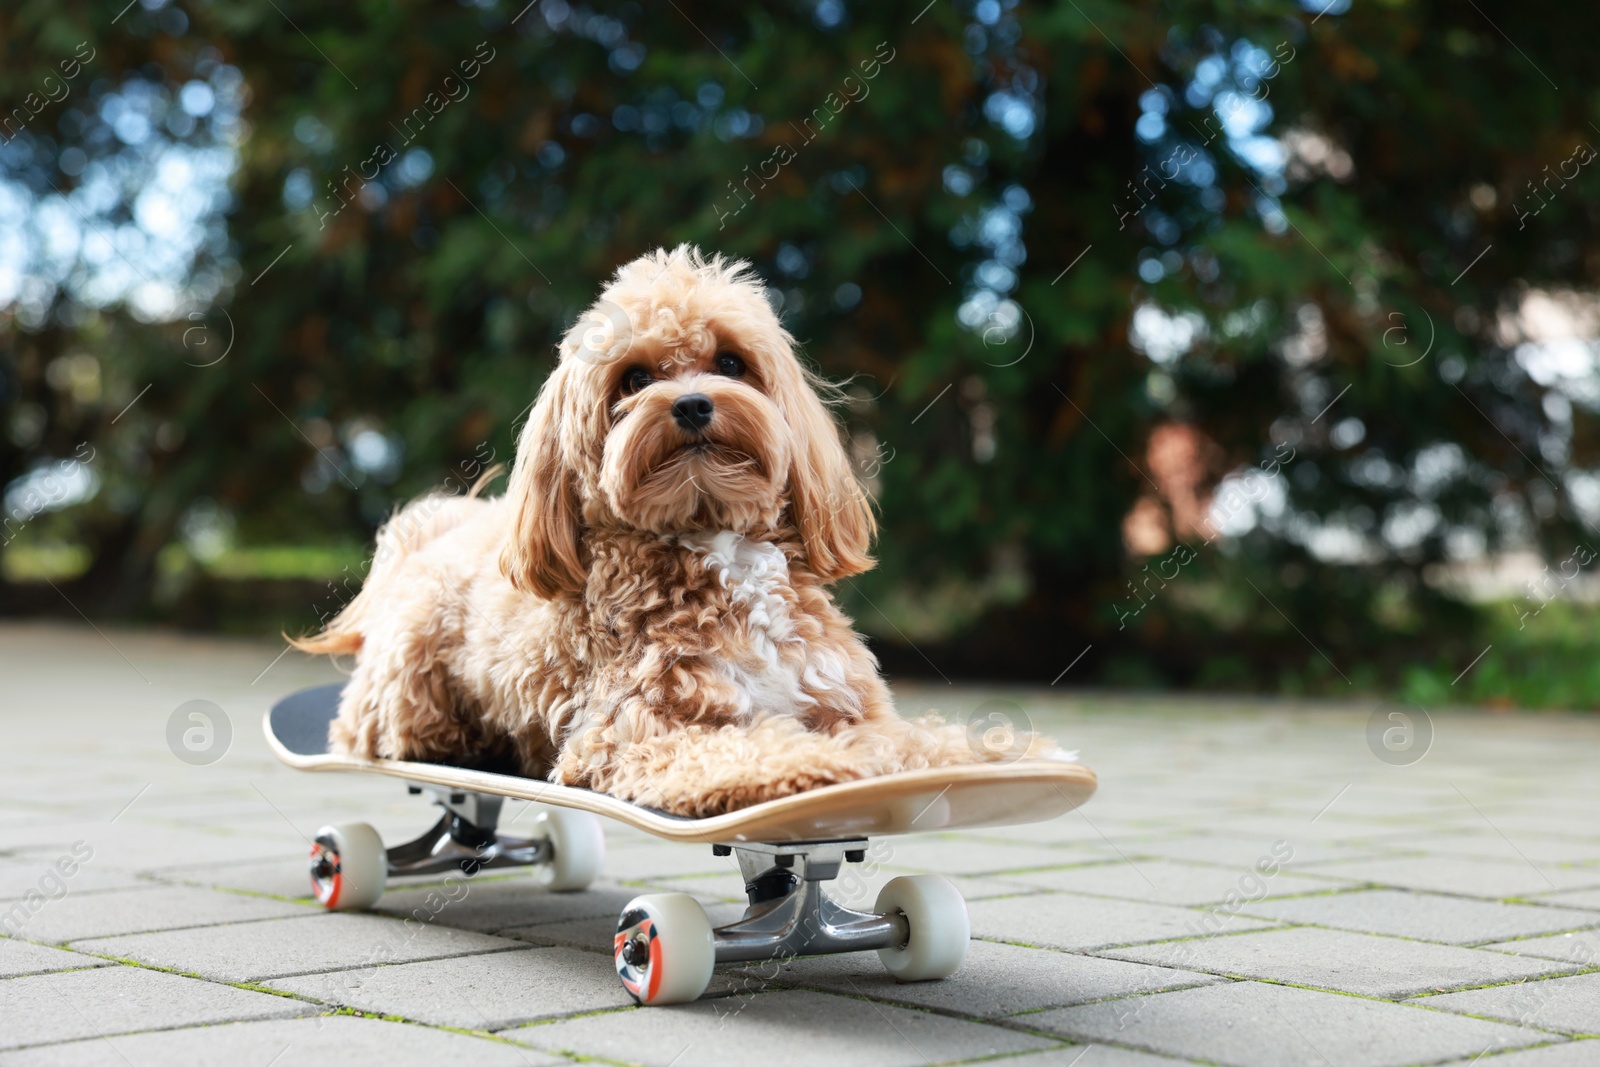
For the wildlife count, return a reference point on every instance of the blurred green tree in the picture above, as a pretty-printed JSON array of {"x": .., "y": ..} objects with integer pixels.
[{"x": 274, "y": 268}]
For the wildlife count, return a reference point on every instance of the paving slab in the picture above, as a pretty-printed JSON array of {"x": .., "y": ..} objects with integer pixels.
[
  {"x": 954, "y": 854},
  {"x": 1362, "y": 836},
  {"x": 1244, "y": 852},
  {"x": 1467, "y": 877},
  {"x": 151, "y": 907},
  {"x": 861, "y": 888},
  {"x": 18, "y": 958},
  {"x": 1424, "y": 916},
  {"x": 664, "y": 859},
  {"x": 37, "y": 878},
  {"x": 275, "y": 948},
  {"x": 1388, "y": 803},
  {"x": 1163, "y": 881},
  {"x": 594, "y": 935},
  {"x": 1570, "y": 1005},
  {"x": 107, "y": 1001},
  {"x": 1581, "y": 948},
  {"x": 1557, "y": 816},
  {"x": 777, "y": 1029},
  {"x": 1078, "y": 1056},
  {"x": 1566, "y": 1054},
  {"x": 502, "y": 903},
  {"x": 587, "y": 935},
  {"x": 133, "y": 845},
  {"x": 1486, "y": 844},
  {"x": 1349, "y": 962},
  {"x": 489, "y": 992},
  {"x": 1072, "y": 830},
  {"x": 1253, "y": 1024},
  {"x": 1571, "y": 898},
  {"x": 333, "y": 1039},
  {"x": 995, "y": 980},
  {"x": 284, "y": 877},
  {"x": 1075, "y": 921}
]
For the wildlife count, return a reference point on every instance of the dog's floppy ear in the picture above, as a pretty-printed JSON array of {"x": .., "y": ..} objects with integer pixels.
[
  {"x": 541, "y": 554},
  {"x": 829, "y": 508}
]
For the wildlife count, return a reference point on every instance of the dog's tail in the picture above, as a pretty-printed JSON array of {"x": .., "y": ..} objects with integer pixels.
[
  {"x": 413, "y": 526},
  {"x": 331, "y": 641}
]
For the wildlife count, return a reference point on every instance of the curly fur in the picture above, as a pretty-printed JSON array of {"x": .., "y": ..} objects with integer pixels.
[{"x": 645, "y": 612}]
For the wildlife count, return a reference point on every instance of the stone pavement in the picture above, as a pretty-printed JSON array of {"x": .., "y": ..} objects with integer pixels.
[{"x": 1257, "y": 883}]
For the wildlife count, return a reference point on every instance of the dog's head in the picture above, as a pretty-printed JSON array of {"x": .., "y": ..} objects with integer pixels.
[{"x": 678, "y": 405}]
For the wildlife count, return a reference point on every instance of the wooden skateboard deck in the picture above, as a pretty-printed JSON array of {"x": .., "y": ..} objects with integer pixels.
[{"x": 942, "y": 798}]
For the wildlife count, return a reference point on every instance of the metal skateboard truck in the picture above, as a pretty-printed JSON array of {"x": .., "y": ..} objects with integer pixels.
[
  {"x": 350, "y": 866},
  {"x": 791, "y": 915},
  {"x": 665, "y": 946}
]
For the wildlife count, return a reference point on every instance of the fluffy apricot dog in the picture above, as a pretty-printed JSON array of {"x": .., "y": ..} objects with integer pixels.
[{"x": 645, "y": 612}]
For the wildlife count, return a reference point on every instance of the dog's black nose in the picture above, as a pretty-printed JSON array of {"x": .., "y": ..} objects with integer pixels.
[{"x": 692, "y": 412}]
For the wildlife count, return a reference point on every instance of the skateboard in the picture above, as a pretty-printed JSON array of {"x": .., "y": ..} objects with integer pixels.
[{"x": 665, "y": 947}]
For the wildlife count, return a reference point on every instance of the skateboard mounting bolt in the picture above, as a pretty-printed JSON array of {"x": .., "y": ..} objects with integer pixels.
[
  {"x": 785, "y": 861},
  {"x": 856, "y": 855},
  {"x": 458, "y": 798},
  {"x": 414, "y": 790},
  {"x": 636, "y": 951},
  {"x": 722, "y": 850}
]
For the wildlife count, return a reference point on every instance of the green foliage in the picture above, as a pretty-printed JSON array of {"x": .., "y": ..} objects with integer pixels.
[{"x": 1547, "y": 663}]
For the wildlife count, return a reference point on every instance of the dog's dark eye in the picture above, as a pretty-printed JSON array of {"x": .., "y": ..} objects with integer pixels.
[
  {"x": 636, "y": 379},
  {"x": 729, "y": 364}
]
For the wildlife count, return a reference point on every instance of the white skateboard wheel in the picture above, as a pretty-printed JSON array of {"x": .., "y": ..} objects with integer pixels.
[
  {"x": 664, "y": 949},
  {"x": 349, "y": 866},
  {"x": 939, "y": 929},
  {"x": 577, "y": 845}
]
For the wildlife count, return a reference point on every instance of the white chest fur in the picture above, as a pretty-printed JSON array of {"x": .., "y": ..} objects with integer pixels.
[{"x": 774, "y": 671}]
